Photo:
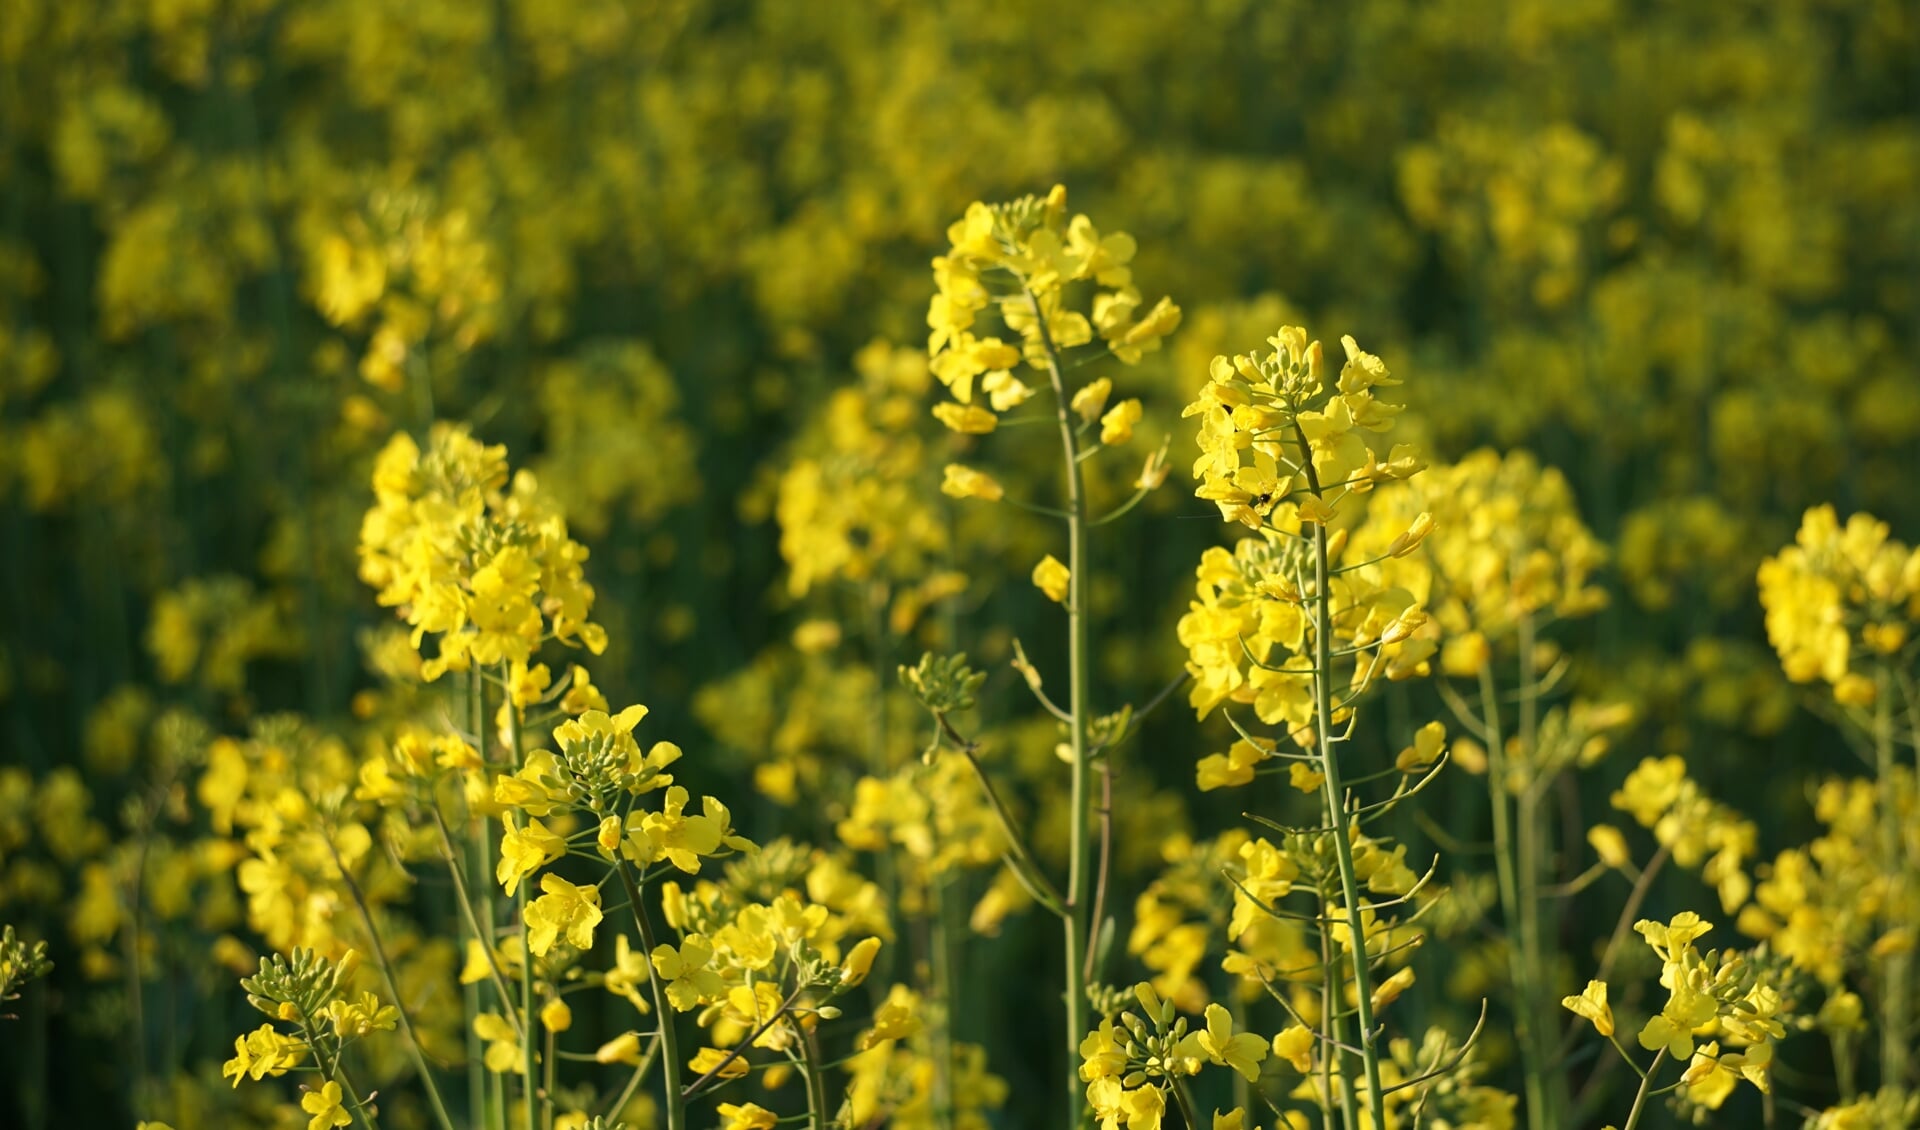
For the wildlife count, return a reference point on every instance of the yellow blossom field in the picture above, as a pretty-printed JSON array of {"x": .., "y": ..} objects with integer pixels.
[{"x": 972, "y": 565}]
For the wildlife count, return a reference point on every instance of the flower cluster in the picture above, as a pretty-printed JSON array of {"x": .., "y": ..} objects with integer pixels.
[{"x": 483, "y": 565}]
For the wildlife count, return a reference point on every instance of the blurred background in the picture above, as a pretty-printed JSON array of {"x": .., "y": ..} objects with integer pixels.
[{"x": 1671, "y": 248}]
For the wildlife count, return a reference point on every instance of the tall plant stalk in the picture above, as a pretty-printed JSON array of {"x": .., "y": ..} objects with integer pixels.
[
  {"x": 1333, "y": 800},
  {"x": 1074, "y": 922}
]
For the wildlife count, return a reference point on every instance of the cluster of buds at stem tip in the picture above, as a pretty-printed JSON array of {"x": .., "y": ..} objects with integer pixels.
[{"x": 943, "y": 684}]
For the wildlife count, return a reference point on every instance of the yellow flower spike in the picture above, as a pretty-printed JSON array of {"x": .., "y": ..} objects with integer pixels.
[
  {"x": 325, "y": 1106},
  {"x": 1592, "y": 1004},
  {"x": 1052, "y": 578},
  {"x": 964, "y": 482}
]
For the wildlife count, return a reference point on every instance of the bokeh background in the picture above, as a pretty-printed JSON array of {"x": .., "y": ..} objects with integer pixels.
[{"x": 1671, "y": 248}]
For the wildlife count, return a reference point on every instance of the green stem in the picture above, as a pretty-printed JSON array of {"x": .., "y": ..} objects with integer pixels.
[
  {"x": 393, "y": 990},
  {"x": 816, "y": 1082},
  {"x": 466, "y": 907},
  {"x": 1332, "y": 796},
  {"x": 1507, "y": 872},
  {"x": 535, "y": 1100},
  {"x": 1527, "y": 850},
  {"x": 1075, "y": 924},
  {"x": 1646, "y": 1084},
  {"x": 1332, "y": 1035},
  {"x": 941, "y": 972},
  {"x": 1894, "y": 1043},
  {"x": 669, "y": 1036}
]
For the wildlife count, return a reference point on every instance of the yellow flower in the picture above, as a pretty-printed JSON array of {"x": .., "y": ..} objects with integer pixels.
[
  {"x": 897, "y": 1018},
  {"x": 624, "y": 1048},
  {"x": 1610, "y": 846},
  {"x": 858, "y": 962},
  {"x": 1592, "y": 1004},
  {"x": 1218, "y": 1043},
  {"x": 751, "y": 1116},
  {"x": 263, "y": 1052},
  {"x": 689, "y": 981},
  {"x": 1231, "y": 769},
  {"x": 555, "y": 1016},
  {"x": 1052, "y": 578},
  {"x": 967, "y": 419},
  {"x": 1303, "y": 776},
  {"x": 476, "y": 968},
  {"x": 503, "y": 1047},
  {"x": 524, "y": 852},
  {"x": 964, "y": 482},
  {"x": 1295, "y": 1045},
  {"x": 363, "y": 1014},
  {"x": 706, "y": 1059},
  {"x": 564, "y": 907},
  {"x": 1116, "y": 427},
  {"x": 1091, "y": 400},
  {"x": 324, "y": 1105}
]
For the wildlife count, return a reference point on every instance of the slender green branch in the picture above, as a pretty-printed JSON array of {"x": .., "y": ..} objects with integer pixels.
[
  {"x": 1640, "y": 1096},
  {"x": 669, "y": 1038},
  {"x": 393, "y": 989},
  {"x": 1078, "y": 565},
  {"x": 1333, "y": 796}
]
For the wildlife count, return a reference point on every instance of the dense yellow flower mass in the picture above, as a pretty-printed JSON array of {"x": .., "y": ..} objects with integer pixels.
[{"x": 1481, "y": 675}]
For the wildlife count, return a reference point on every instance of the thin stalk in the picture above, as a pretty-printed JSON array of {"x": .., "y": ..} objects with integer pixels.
[
  {"x": 1528, "y": 861},
  {"x": 669, "y": 1037},
  {"x": 940, "y": 954},
  {"x": 1333, "y": 796},
  {"x": 1075, "y": 924},
  {"x": 1646, "y": 1083},
  {"x": 466, "y": 906},
  {"x": 1185, "y": 1102},
  {"x": 393, "y": 989},
  {"x": 1506, "y": 872},
  {"x": 816, "y": 1082},
  {"x": 535, "y": 1100},
  {"x": 1894, "y": 1046},
  {"x": 1331, "y": 1038}
]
